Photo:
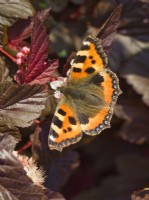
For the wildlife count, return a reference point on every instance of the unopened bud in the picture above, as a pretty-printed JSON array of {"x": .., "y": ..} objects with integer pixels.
[
  {"x": 19, "y": 61},
  {"x": 20, "y": 55},
  {"x": 25, "y": 50}
]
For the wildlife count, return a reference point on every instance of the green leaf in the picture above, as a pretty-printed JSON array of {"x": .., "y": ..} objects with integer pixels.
[
  {"x": 11, "y": 10},
  {"x": 20, "y": 105}
]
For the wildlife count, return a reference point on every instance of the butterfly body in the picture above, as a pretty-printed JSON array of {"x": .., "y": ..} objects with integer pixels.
[{"x": 88, "y": 97}]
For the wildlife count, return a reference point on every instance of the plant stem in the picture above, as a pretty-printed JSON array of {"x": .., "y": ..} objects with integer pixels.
[{"x": 7, "y": 54}]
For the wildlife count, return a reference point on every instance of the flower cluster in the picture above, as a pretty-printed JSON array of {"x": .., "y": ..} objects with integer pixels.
[{"x": 22, "y": 56}]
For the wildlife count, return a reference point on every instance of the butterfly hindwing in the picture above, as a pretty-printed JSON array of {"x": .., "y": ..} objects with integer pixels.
[
  {"x": 101, "y": 120},
  {"x": 65, "y": 128}
]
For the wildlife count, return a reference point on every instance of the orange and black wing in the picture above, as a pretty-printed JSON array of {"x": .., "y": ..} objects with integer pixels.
[
  {"x": 65, "y": 128},
  {"x": 90, "y": 65},
  {"x": 101, "y": 120},
  {"x": 89, "y": 60}
]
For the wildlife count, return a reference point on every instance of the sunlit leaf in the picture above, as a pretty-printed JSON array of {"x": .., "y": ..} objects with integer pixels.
[
  {"x": 20, "y": 105},
  {"x": 9, "y": 137},
  {"x": 12, "y": 10}
]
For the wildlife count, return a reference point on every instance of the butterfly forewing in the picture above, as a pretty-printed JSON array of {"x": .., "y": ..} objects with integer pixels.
[{"x": 89, "y": 60}]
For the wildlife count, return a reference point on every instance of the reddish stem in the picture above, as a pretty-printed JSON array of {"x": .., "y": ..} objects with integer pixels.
[
  {"x": 8, "y": 55},
  {"x": 26, "y": 146}
]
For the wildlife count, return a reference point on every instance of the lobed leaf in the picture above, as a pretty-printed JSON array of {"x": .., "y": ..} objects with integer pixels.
[
  {"x": 48, "y": 72},
  {"x": 23, "y": 28},
  {"x": 37, "y": 69},
  {"x": 20, "y": 105}
]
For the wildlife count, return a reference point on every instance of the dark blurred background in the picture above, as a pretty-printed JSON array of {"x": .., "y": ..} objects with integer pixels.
[{"x": 116, "y": 163}]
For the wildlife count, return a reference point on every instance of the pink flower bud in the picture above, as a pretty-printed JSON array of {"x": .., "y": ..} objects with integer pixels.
[
  {"x": 19, "y": 61},
  {"x": 20, "y": 55},
  {"x": 25, "y": 50}
]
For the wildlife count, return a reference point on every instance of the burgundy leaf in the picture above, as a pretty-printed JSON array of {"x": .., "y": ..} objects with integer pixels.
[
  {"x": 109, "y": 28},
  {"x": 37, "y": 69},
  {"x": 39, "y": 49},
  {"x": 47, "y": 74},
  {"x": 20, "y": 105},
  {"x": 22, "y": 29}
]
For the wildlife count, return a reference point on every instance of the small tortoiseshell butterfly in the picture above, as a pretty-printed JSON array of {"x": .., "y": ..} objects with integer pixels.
[{"x": 88, "y": 98}]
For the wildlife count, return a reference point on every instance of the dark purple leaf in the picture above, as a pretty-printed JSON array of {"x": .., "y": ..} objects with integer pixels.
[
  {"x": 20, "y": 105},
  {"x": 58, "y": 166},
  {"x": 135, "y": 113},
  {"x": 22, "y": 29},
  {"x": 6, "y": 195},
  {"x": 15, "y": 181},
  {"x": 16, "y": 185},
  {"x": 60, "y": 170},
  {"x": 109, "y": 28},
  {"x": 121, "y": 185}
]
